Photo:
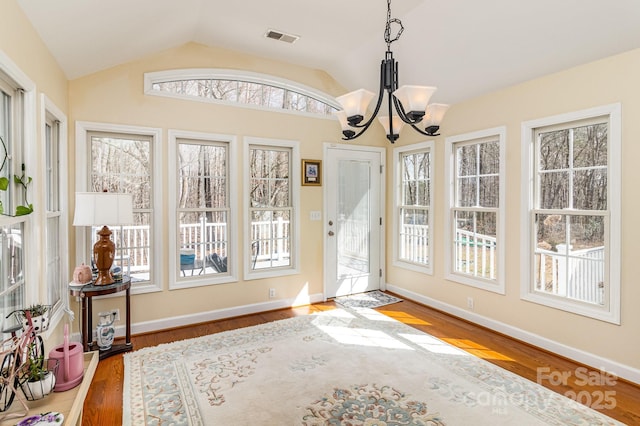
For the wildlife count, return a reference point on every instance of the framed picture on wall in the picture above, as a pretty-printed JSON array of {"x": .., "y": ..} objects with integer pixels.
[{"x": 312, "y": 172}]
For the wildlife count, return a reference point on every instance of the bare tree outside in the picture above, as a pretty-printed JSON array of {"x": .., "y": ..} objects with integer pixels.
[
  {"x": 270, "y": 206},
  {"x": 570, "y": 221}
]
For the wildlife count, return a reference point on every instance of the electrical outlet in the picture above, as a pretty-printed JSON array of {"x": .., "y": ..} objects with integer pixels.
[
  {"x": 470, "y": 303},
  {"x": 272, "y": 293},
  {"x": 117, "y": 314}
]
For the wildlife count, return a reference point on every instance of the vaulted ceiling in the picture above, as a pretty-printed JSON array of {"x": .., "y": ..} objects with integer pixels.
[{"x": 464, "y": 47}]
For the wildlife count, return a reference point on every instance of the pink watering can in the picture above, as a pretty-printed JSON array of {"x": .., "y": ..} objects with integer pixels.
[{"x": 70, "y": 363}]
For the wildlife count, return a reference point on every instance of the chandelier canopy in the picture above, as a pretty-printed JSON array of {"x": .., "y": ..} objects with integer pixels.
[{"x": 411, "y": 103}]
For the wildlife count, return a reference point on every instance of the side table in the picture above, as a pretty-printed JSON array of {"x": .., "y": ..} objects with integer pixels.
[{"x": 86, "y": 293}]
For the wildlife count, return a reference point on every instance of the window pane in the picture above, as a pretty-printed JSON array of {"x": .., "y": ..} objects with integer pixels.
[
  {"x": 414, "y": 236},
  {"x": 467, "y": 160},
  {"x": 590, "y": 189},
  {"x": 551, "y": 230},
  {"x": 489, "y": 191},
  {"x": 247, "y": 92},
  {"x": 202, "y": 171},
  {"x": 554, "y": 190},
  {"x": 475, "y": 244},
  {"x": 554, "y": 150},
  {"x": 590, "y": 146},
  {"x": 489, "y": 153},
  {"x": 203, "y": 243},
  {"x": 573, "y": 270},
  {"x": 467, "y": 192},
  {"x": 270, "y": 239}
]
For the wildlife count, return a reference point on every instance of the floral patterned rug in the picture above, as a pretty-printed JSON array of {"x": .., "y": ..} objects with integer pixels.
[
  {"x": 370, "y": 299},
  {"x": 341, "y": 367}
]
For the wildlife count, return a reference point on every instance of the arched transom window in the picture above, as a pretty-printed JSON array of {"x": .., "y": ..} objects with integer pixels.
[{"x": 239, "y": 88}]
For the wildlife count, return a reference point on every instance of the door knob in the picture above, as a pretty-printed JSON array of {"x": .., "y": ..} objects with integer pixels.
[
  {"x": 331, "y": 233},
  {"x": 330, "y": 223}
]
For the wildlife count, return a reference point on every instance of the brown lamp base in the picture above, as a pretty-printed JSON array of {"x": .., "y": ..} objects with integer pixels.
[{"x": 103, "y": 253}]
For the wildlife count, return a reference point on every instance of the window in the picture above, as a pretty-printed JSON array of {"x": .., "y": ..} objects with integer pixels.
[
  {"x": 475, "y": 241},
  {"x": 573, "y": 212},
  {"x": 272, "y": 195},
  {"x": 240, "y": 88},
  {"x": 413, "y": 180},
  {"x": 55, "y": 201},
  {"x": 17, "y": 239},
  {"x": 123, "y": 159},
  {"x": 204, "y": 205}
]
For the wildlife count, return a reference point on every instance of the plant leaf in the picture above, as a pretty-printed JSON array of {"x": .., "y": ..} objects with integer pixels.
[
  {"x": 24, "y": 210},
  {"x": 4, "y": 183}
]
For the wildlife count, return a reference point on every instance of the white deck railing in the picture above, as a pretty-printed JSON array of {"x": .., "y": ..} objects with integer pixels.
[
  {"x": 271, "y": 242},
  {"x": 575, "y": 274},
  {"x": 475, "y": 254}
]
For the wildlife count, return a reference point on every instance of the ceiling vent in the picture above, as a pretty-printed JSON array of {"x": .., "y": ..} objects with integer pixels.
[{"x": 279, "y": 35}]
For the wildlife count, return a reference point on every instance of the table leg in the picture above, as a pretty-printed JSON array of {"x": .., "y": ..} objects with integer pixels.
[
  {"x": 128, "y": 325},
  {"x": 89, "y": 322},
  {"x": 85, "y": 337}
]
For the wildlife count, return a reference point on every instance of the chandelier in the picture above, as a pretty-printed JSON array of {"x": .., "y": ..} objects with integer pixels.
[{"x": 411, "y": 103}]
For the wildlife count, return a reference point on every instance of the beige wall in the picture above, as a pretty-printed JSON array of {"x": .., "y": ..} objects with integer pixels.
[
  {"x": 607, "y": 81},
  {"x": 116, "y": 96}
]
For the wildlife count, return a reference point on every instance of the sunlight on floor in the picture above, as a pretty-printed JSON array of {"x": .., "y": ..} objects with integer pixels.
[
  {"x": 363, "y": 337},
  {"x": 433, "y": 344},
  {"x": 404, "y": 317},
  {"x": 476, "y": 349}
]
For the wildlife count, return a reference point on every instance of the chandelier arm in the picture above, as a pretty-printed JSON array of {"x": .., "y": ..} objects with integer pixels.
[{"x": 417, "y": 129}]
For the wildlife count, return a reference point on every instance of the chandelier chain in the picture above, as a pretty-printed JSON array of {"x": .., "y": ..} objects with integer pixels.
[{"x": 387, "y": 30}]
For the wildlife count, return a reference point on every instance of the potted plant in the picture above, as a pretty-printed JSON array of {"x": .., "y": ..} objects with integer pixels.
[
  {"x": 39, "y": 315},
  {"x": 38, "y": 374},
  {"x": 23, "y": 181}
]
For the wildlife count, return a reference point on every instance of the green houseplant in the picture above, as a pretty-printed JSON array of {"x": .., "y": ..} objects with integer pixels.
[
  {"x": 22, "y": 181},
  {"x": 38, "y": 374}
]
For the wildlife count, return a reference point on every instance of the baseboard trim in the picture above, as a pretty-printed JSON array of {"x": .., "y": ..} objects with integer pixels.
[{"x": 620, "y": 370}]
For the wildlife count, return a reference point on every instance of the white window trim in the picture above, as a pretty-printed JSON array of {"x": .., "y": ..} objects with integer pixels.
[
  {"x": 294, "y": 269},
  {"x": 497, "y": 286},
  {"x": 47, "y": 107},
  {"x": 150, "y": 78},
  {"x": 397, "y": 185},
  {"x": 610, "y": 313},
  {"x": 33, "y": 268},
  {"x": 82, "y": 240},
  {"x": 232, "y": 247}
]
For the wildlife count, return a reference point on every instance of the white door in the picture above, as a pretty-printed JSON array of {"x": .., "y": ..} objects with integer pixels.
[{"x": 353, "y": 221}]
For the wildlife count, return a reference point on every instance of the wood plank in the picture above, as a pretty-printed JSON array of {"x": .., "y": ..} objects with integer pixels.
[{"x": 103, "y": 405}]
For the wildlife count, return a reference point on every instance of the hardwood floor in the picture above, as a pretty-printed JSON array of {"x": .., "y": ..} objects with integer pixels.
[{"x": 103, "y": 406}]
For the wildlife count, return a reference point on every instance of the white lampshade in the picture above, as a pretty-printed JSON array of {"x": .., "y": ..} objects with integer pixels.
[
  {"x": 414, "y": 98},
  {"x": 342, "y": 118},
  {"x": 103, "y": 208},
  {"x": 434, "y": 114},
  {"x": 397, "y": 124},
  {"x": 355, "y": 103}
]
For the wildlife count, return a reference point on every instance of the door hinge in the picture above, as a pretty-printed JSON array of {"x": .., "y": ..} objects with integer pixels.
[
  {"x": 380, "y": 221},
  {"x": 381, "y": 169},
  {"x": 380, "y": 272}
]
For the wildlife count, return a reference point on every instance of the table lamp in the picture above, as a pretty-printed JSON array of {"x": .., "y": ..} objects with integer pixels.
[{"x": 101, "y": 208}]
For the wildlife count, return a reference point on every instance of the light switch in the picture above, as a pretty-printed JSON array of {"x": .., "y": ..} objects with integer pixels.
[{"x": 315, "y": 215}]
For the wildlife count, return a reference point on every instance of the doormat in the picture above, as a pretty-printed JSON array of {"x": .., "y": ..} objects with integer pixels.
[{"x": 371, "y": 299}]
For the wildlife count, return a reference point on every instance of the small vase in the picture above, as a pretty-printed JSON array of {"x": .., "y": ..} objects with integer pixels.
[{"x": 105, "y": 331}]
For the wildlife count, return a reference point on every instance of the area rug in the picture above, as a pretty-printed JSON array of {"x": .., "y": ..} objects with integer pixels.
[
  {"x": 340, "y": 367},
  {"x": 370, "y": 299}
]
